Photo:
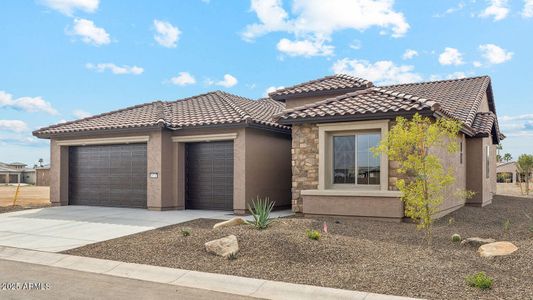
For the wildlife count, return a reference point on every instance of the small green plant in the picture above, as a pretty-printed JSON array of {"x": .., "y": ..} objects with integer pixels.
[
  {"x": 313, "y": 234},
  {"x": 506, "y": 226},
  {"x": 232, "y": 256},
  {"x": 260, "y": 210},
  {"x": 186, "y": 231},
  {"x": 479, "y": 280},
  {"x": 451, "y": 220},
  {"x": 456, "y": 238}
]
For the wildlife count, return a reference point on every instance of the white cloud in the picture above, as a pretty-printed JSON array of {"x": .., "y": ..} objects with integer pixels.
[
  {"x": 517, "y": 126},
  {"x": 89, "y": 33},
  {"x": 451, "y": 10},
  {"x": 228, "y": 81},
  {"x": 477, "y": 64},
  {"x": 305, "y": 48},
  {"x": 495, "y": 54},
  {"x": 120, "y": 70},
  {"x": 166, "y": 35},
  {"x": 528, "y": 9},
  {"x": 356, "y": 44},
  {"x": 409, "y": 53},
  {"x": 27, "y": 104},
  {"x": 68, "y": 7},
  {"x": 271, "y": 89},
  {"x": 380, "y": 72},
  {"x": 316, "y": 20},
  {"x": 497, "y": 9},
  {"x": 13, "y": 125},
  {"x": 183, "y": 78},
  {"x": 81, "y": 114},
  {"x": 451, "y": 56}
]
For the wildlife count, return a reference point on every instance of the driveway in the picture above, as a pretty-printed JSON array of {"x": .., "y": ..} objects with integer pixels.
[{"x": 56, "y": 229}]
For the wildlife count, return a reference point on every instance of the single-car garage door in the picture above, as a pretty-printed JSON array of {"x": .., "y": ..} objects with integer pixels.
[
  {"x": 108, "y": 175},
  {"x": 209, "y": 175}
]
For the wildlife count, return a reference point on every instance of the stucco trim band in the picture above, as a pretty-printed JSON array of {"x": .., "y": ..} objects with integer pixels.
[
  {"x": 204, "y": 138},
  {"x": 102, "y": 141},
  {"x": 353, "y": 193}
]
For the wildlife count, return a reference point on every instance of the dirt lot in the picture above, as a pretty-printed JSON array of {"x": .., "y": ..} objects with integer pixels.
[
  {"x": 29, "y": 197},
  {"x": 372, "y": 256}
]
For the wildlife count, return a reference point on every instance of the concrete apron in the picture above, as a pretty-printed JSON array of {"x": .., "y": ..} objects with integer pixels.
[{"x": 243, "y": 286}]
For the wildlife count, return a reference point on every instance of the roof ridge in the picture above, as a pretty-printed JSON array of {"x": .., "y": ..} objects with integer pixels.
[
  {"x": 321, "y": 102},
  {"x": 98, "y": 115},
  {"x": 437, "y": 81},
  {"x": 342, "y": 75}
]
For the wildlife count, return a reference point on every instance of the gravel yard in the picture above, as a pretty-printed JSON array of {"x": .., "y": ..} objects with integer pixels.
[{"x": 371, "y": 256}]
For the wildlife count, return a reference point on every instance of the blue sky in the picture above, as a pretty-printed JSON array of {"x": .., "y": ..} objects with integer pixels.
[{"x": 65, "y": 59}]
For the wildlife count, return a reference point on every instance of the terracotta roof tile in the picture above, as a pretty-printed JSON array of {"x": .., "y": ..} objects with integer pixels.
[
  {"x": 213, "y": 108},
  {"x": 328, "y": 83}
]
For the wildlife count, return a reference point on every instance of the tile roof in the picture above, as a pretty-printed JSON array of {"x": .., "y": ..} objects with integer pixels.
[
  {"x": 214, "y": 108},
  {"x": 323, "y": 85},
  {"x": 368, "y": 101},
  {"x": 483, "y": 123},
  {"x": 460, "y": 97}
]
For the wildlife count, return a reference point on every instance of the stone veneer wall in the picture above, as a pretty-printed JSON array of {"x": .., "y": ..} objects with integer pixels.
[{"x": 304, "y": 162}]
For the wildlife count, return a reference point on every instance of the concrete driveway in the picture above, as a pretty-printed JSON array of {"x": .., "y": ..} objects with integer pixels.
[{"x": 56, "y": 229}]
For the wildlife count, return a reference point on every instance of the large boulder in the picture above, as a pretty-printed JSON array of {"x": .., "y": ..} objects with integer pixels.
[
  {"x": 231, "y": 222},
  {"x": 224, "y": 246},
  {"x": 496, "y": 249},
  {"x": 476, "y": 241}
]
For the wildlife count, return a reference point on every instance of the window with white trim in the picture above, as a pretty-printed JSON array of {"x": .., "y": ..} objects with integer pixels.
[{"x": 353, "y": 162}]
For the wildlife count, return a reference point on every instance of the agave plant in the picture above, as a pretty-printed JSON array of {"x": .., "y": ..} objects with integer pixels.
[{"x": 260, "y": 210}]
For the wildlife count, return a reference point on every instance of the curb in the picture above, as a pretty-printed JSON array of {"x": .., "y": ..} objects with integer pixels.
[{"x": 243, "y": 286}]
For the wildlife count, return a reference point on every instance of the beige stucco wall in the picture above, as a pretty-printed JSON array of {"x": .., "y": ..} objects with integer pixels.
[
  {"x": 373, "y": 207},
  {"x": 477, "y": 181},
  {"x": 261, "y": 166},
  {"x": 268, "y": 166},
  {"x": 453, "y": 199}
]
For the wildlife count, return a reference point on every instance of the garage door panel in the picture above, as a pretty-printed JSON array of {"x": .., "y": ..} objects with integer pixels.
[
  {"x": 108, "y": 175},
  {"x": 209, "y": 175}
]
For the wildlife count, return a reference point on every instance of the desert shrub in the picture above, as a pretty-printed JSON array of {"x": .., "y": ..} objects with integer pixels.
[
  {"x": 479, "y": 280},
  {"x": 260, "y": 210},
  {"x": 186, "y": 231},
  {"x": 232, "y": 256},
  {"x": 313, "y": 234},
  {"x": 456, "y": 238}
]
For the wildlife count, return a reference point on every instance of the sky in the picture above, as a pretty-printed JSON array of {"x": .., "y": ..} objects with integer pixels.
[{"x": 61, "y": 60}]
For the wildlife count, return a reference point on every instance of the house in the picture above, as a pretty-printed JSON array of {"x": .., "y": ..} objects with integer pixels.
[
  {"x": 16, "y": 172},
  {"x": 510, "y": 179},
  {"x": 211, "y": 151},
  {"x": 306, "y": 146}
]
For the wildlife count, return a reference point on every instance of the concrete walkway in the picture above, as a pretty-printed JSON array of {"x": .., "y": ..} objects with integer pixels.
[
  {"x": 57, "y": 229},
  {"x": 235, "y": 285}
]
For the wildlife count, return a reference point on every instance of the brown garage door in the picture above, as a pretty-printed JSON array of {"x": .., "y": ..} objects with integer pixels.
[
  {"x": 108, "y": 175},
  {"x": 209, "y": 176}
]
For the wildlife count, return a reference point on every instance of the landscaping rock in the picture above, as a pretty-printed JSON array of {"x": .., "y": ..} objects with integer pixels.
[
  {"x": 231, "y": 222},
  {"x": 496, "y": 249},
  {"x": 224, "y": 246},
  {"x": 477, "y": 241}
]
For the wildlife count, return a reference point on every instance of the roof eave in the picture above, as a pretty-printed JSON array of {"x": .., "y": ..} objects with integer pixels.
[
  {"x": 318, "y": 93},
  {"x": 358, "y": 117}
]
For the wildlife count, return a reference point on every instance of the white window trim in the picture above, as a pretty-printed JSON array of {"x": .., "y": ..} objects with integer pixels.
[{"x": 324, "y": 153}]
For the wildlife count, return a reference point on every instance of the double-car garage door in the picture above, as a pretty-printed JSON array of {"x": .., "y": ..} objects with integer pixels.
[
  {"x": 116, "y": 175},
  {"x": 108, "y": 175}
]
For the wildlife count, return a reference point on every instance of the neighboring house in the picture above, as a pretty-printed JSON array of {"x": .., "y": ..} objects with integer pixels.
[
  {"x": 16, "y": 173},
  {"x": 219, "y": 151},
  {"x": 510, "y": 181},
  {"x": 42, "y": 175}
]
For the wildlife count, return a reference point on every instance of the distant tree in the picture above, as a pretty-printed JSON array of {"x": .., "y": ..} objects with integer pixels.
[
  {"x": 498, "y": 158},
  {"x": 40, "y": 162},
  {"x": 507, "y": 157},
  {"x": 525, "y": 167},
  {"x": 411, "y": 144}
]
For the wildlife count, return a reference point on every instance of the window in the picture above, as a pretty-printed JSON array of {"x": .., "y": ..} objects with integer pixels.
[
  {"x": 487, "y": 162},
  {"x": 353, "y": 161},
  {"x": 461, "y": 152}
]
